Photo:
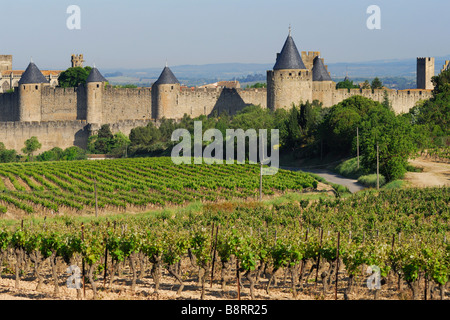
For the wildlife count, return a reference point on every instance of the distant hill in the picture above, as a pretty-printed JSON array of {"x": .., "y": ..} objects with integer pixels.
[
  {"x": 190, "y": 74},
  {"x": 193, "y": 75}
]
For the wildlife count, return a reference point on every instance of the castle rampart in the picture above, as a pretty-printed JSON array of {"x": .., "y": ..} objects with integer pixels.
[
  {"x": 50, "y": 134},
  {"x": 126, "y": 103},
  {"x": 63, "y": 104},
  {"x": 401, "y": 101},
  {"x": 64, "y": 117}
]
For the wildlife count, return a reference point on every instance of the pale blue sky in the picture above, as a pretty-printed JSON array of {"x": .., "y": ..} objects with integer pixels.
[{"x": 144, "y": 33}]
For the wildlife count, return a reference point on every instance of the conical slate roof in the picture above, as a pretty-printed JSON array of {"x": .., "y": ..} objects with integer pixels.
[
  {"x": 289, "y": 58},
  {"x": 95, "y": 76},
  {"x": 319, "y": 72},
  {"x": 167, "y": 77},
  {"x": 32, "y": 75}
]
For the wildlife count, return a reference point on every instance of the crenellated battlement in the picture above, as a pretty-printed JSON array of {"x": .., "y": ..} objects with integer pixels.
[
  {"x": 128, "y": 91},
  {"x": 425, "y": 58}
]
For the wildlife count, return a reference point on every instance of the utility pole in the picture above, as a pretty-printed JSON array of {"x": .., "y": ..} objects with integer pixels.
[
  {"x": 357, "y": 144},
  {"x": 378, "y": 168}
]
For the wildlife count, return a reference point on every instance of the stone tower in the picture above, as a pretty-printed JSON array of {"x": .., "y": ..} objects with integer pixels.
[
  {"x": 323, "y": 85},
  {"x": 425, "y": 70},
  {"x": 290, "y": 81},
  {"x": 30, "y": 90},
  {"x": 5, "y": 62},
  {"x": 77, "y": 60},
  {"x": 95, "y": 85},
  {"x": 165, "y": 95}
]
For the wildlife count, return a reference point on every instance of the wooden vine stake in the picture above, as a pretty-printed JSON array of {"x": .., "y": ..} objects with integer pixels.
[
  {"x": 425, "y": 290},
  {"x": 212, "y": 237},
  {"x": 318, "y": 256},
  {"x": 337, "y": 265},
  {"x": 106, "y": 258},
  {"x": 303, "y": 260},
  {"x": 82, "y": 260},
  {"x": 237, "y": 276},
  {"x": 214, "y": 257}
]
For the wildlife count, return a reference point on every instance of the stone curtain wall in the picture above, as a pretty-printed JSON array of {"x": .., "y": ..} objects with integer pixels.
[
  {"x": 402, "y": 101},
  {"x": 62, "y": 104},
  {"x": 207, "y": 101},
  {"x": 126, "y": 104},
  {"x": 50, "y": 134}
]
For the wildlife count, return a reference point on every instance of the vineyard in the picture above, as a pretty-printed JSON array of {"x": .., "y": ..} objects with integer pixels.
[
  {"x": 438, "y": 154},
  {"x": 323, "y": 249},
  {"x": 139, "y": 184}
]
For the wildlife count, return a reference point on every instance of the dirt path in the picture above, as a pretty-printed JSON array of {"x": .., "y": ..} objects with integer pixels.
[
  {"x": 332, "y": 177},
  {"x": 434, "y": 174}
]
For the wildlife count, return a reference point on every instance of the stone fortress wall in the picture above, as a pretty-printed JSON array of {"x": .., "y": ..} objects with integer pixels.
[{"x": 65, "y": 117}]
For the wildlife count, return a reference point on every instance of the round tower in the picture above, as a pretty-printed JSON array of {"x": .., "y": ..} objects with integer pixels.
[
  {"x": 165, "y": 95},
  {"x": 323, "y": 85},
  {"x": 290, "y": 81},
  {"x": 30, "y": 93},
  {"x": 95, "y": 85}
]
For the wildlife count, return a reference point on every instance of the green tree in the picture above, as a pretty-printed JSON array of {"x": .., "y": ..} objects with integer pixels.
[
  {"x": 120, "y": 144},
  {"x": 74, "y": 153},
  {"x": 31, "y": 145},
  {"x": 145, "y": 139},
  {"x": 386, "y": 103},
  {"x": 366, "y": 85},
  {"x": 53, "y": 154},
  {"x": 310, "y": 117},
  {"x": 102, "y": 142},
  {"x": 144, "y": 135},
  {"x": 253, "y": 117},
  {"x": 129, "y": 86},
  {"x": 346, "y": 84},
  {"x": 74, "y": 76},
  {"x": 435, "y": 112},
  {"x": 293, "y": 128},
  {"x": 258, "y": 85},
  {"x": 339, "y": 126},
  {"x": 223, "y": 122},
  {"x": 7, "y": 155},
  {"x": 395, "y": 138},
  {"x": 377, "y": 84}
]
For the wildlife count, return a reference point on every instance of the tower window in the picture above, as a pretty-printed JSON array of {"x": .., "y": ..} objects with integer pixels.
[
  {"x": 98, "y": 86},
  {"x": 36, "y": 87},
  {"x": 290, "y": 74}
]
